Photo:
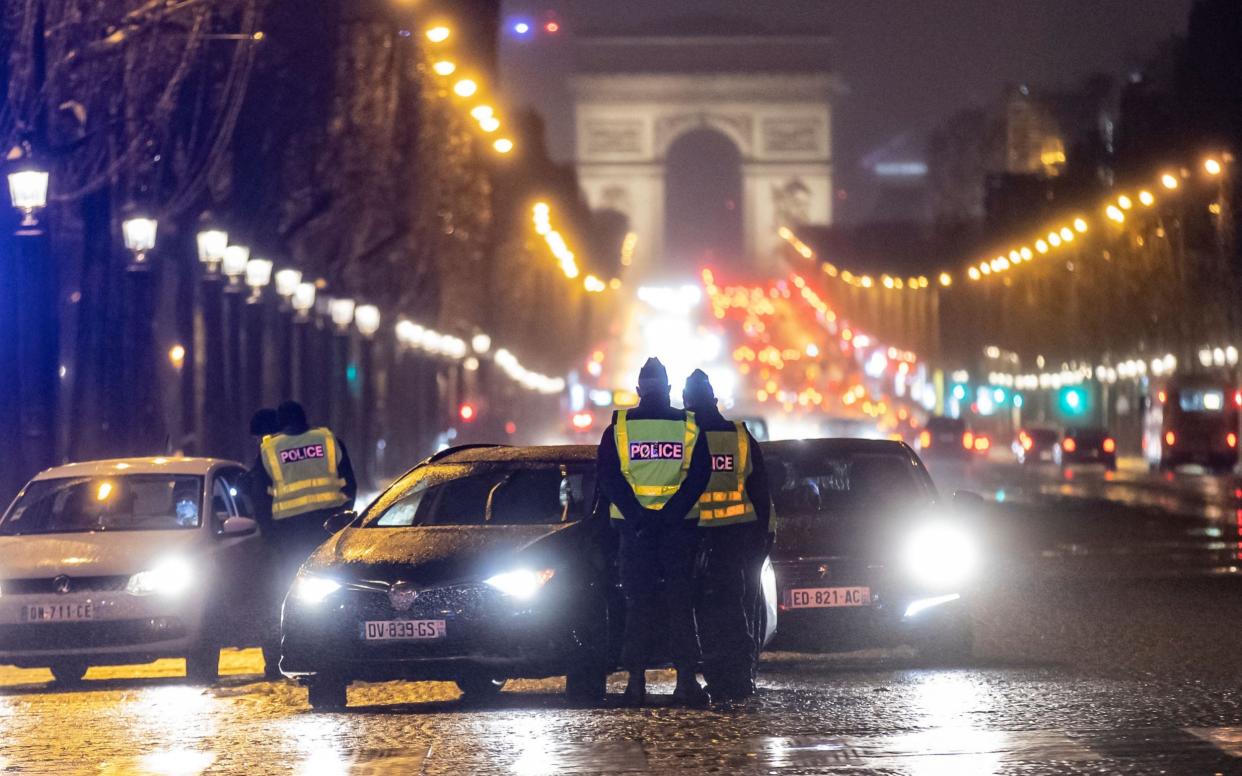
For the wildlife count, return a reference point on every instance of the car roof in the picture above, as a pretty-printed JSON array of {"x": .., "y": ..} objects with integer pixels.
[
  {"x": 837, "y": 446},
  {"x": 508, "y": 454},
  {"x": 120, "y": 466}
]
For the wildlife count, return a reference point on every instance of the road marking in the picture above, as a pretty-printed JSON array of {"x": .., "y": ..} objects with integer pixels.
[{"x": 1226, "y": 739}]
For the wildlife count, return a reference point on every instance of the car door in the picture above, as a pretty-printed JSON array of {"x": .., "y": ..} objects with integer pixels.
[{"x": 243, "y": 562}]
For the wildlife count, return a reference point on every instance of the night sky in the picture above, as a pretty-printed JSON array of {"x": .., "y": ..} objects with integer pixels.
[{"x": 907, "y": 64}]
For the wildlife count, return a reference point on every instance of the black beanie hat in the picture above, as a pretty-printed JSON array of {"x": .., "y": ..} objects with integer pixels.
[
  {"x": 652, "y": 378},
  {"x": 698, "y": 391}
]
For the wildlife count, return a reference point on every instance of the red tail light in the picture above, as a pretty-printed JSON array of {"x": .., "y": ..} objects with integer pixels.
[
  {"x": 1069, "y": 445},
  {"x": 925, "y": 439},
  {"x": 968, "y": 440},
  {"x": 1231, "y": 439},
  {"x": 1237, "y": 398},
  {"x": 982, "y": 444},
  {"x": 1109, "y": 445},
  {"x": 1170, "y": 438},
  {"x": 1025, "y": 440},
  {"x": 1162, "y": 397}
]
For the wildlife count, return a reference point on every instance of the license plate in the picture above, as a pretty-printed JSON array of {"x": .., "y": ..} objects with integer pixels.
[
  {"x": 825, "y": 597},
  {"x": 402, "y": 630},
  {"x": 58, "y": 612}
]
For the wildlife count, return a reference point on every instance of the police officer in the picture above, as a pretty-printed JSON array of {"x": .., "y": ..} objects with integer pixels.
[
  {"x": 733, "y": 518},
  {"x": 653, "y": 466},
  {"x": 309, "y": 476}
]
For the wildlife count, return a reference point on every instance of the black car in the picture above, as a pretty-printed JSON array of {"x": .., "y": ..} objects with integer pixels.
[
  {"x": 480, "y": 565},
  {"x": 946, "y": 438},
  {"x": 1088, "y": 445},
  {"x": 867, "y": 553},
  {"x": 1036, "y": 444}
]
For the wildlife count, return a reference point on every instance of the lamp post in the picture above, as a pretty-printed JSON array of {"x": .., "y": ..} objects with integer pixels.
[
  {"x": 258, "y": 276},
  {"x": 233, "y": 265},
  {"x": 303, "y": 302},
  {"x": 367, "y": 318},
  {"x": 286, "y": 283},
  {"x": 340, "y": 404},
  {"x": 32, "y": 318}
]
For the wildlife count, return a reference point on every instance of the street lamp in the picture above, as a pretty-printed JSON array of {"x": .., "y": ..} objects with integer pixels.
[
  {"x": 28, "y": 192},
  {"x": 342, "y": 313},
  {"x": 139, "y": 233},
  {"x": 236, "y": 257},
  {"x": 212, "y": 244},
  {"x": 367, "y": 319},
  {"x": 481, "y": 343},
  {"x": 303, "y": 300},
  {"x": 258, "y": 276},
  {"x": 287, "y": 282}
]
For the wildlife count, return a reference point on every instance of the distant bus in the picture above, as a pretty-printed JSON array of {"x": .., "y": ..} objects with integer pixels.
[{"x": 1192, "y": 420}]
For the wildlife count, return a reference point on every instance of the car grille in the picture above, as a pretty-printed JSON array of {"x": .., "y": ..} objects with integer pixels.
[
  {"x": 112, "y": 633},
  {"x": 820, "y": 571},
  {"x": 76, "y": 585}
]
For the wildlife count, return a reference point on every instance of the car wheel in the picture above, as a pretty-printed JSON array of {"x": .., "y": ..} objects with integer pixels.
[
  {"x": 948, "y": 646},
  {"x": 476, "y": 688},
  {"x": 202, "y": 666},
  {"x": 69, "y": 671},
  {"x": 326, "y": 693}
]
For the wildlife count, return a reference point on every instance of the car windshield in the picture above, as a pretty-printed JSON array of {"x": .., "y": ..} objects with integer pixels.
[
  {"x": 488, "y": 494},
  {"x": 1201, "y": 400},
  {"x": 938, "y": 425},
  {"x": 824, "y": 484},
  {"x": 132, "y": 502},
  {"x": 1044, "y": 435}
]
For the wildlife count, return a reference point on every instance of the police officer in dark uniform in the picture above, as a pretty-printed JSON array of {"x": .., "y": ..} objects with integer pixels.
[
  {"x": 309, "y": 476},
  {"x": 653, "y": 466},
  {"x": 733, "y": 516}
]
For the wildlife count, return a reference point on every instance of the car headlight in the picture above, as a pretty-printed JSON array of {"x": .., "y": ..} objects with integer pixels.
[
  {"x": 171, "y": 577},
  {"x": 310, "y": 589},
  {"x": 940, "y": 555},
  {"x": 522, "y": 584}
]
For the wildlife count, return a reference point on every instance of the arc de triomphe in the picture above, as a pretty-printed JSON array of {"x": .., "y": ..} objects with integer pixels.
[{"x": 769, "y": 95}]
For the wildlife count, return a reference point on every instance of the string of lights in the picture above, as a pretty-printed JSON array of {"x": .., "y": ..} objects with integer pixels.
[
  {"x": 428, "y": 340},
  {"x": 567, "y": 260},
  {"x": 1059, "y": 236},
  {"x": 466, "y": 87}
]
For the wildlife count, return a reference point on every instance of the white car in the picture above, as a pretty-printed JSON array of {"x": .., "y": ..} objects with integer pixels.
[{"x": 129, "y": 561}]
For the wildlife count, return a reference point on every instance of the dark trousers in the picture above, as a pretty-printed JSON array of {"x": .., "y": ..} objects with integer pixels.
[
  {"x": 657, "y": 567},
  {"x": 728, "y": 597},
  {"x": 293, "y": 539}
]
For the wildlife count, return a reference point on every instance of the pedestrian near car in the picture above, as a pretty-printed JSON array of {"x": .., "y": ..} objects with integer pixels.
[
  {"x": 264, "y": 423},
  {"x": 308, "y": 474},
  {"x": 653, "y": 466},
  {"x": 733, "y": 518}
]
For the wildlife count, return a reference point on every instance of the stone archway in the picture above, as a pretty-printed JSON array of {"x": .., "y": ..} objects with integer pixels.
[{"x": 780, "y": 123}]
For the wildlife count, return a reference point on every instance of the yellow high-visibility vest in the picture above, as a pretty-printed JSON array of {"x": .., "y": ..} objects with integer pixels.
[
  {"x": 303, "y": 469},
  {"x": 726, "y": 502},
  {"x": 655, "y": 456}
]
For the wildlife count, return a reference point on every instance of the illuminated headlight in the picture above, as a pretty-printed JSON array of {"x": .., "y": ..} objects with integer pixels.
[
  {"x": 310, "y": 589},
  {"x": 171, "y": 577},
  {"x": 940, "y": 555},
  {"x": 522, "y": 584}
]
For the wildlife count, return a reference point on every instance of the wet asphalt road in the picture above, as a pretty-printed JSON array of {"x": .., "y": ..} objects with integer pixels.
[{"x": 1109, "y": 640}]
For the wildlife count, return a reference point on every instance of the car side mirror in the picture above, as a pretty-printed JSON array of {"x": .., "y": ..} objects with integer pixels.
[
  {"x": 238, "y": 526},
  {"x": 340, "y": 521}
]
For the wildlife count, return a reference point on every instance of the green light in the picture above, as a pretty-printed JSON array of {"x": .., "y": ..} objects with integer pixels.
[
  {"x": 351, "y": 373},
  {"x": 1074, "y": 401}
]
